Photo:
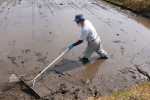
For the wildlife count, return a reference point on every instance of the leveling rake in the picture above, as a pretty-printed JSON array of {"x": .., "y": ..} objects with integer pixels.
[{"x": 28, "y": 89}]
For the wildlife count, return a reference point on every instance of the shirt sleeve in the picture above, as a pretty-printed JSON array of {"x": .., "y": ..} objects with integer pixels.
[
  {"x": 77, "y": 43},
  {"x": 84, "y": 34}
]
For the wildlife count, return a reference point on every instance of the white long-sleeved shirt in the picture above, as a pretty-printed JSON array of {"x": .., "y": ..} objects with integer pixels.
[{"x": 88, "y": 31}]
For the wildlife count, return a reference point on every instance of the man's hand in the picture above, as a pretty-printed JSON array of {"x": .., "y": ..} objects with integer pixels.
[{"x": 70, "y": 47}]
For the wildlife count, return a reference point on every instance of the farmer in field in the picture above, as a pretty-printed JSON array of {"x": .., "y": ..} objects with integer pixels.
[{"x": 89, "y": 34}]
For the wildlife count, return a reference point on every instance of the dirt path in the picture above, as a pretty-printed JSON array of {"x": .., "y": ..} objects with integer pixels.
[{"x": 35, "y": 32}]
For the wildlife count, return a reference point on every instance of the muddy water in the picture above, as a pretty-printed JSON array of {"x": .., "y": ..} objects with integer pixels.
[{"x": 35, "y": 32}]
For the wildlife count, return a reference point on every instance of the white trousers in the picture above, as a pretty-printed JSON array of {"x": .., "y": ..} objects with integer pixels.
[{"x": 94, "y": 46}]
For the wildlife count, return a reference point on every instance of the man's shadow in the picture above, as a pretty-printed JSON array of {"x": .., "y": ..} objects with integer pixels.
[{"x": 91, "y": 68}]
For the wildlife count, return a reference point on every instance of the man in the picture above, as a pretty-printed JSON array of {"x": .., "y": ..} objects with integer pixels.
[{"x": 90, "y": 35}]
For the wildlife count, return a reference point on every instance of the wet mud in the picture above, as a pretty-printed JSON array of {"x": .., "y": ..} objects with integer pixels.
[{"x": 33, "y": 33}]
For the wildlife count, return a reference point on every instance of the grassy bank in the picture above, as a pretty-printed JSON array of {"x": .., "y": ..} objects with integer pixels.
[
  {"x": 137, "y": 6},
  {"x": 140, "y": 92}
]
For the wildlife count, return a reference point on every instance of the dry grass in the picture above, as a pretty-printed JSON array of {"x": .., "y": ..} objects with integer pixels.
[
  {"x": 140, "y": 6},
  {"x": 141, "y": 92}
]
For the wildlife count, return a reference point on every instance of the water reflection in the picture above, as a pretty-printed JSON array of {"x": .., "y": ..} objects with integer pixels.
[
  {"x": 144, "y": 22},
  {"x": 91, "y": 69}
]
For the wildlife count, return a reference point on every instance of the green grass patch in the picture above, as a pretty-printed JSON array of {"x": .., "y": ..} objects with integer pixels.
[{"x": 122, "y": 93}]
